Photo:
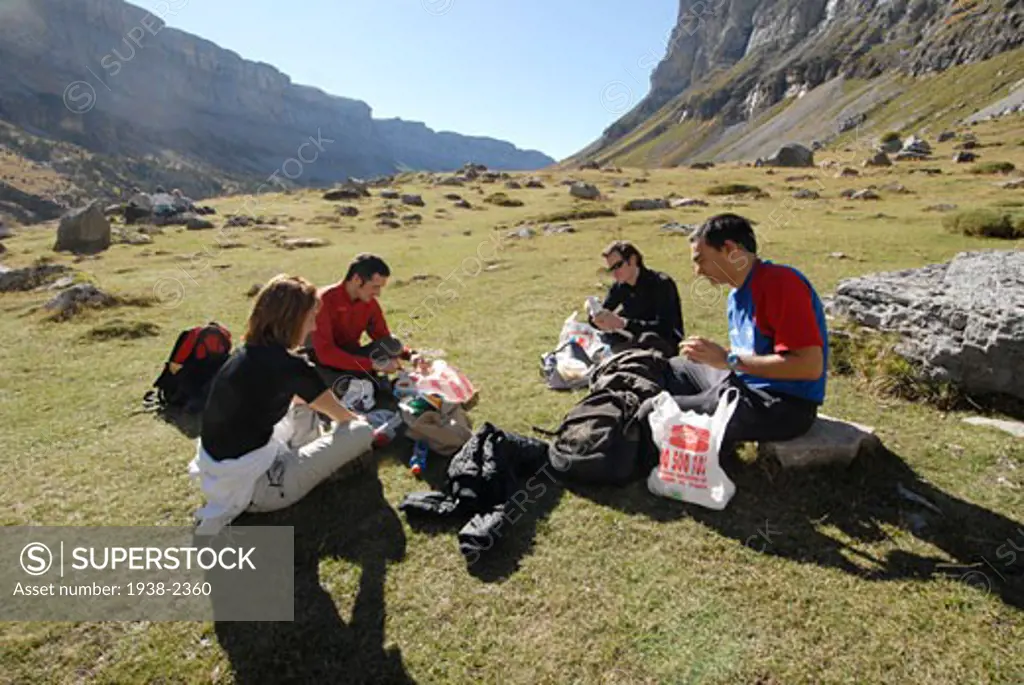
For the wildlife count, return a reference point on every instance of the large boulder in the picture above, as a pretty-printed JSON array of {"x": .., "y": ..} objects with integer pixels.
[
  {"x": 83, "y": 230},
  {"x": 792, "y": 155},
  {"x": 644, "y": 204},
  {"x": 962, "y": 321},
  {"x": 584, "y": 191}
]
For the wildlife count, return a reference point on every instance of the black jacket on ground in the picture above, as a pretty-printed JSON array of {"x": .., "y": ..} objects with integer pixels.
[
  {"x": 650, "y": 306},
  {"x": 482, "y": 476}
]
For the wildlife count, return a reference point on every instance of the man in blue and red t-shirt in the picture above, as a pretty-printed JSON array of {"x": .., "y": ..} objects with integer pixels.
[{"x": 778, "y": 340}]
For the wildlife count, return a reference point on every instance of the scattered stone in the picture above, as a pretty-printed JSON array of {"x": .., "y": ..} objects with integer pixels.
[
  {"x": 1016, "y": 184},
  {"x": 1014, "y": 428},
  {"x": 521, "y": 233},
  {"x": 908, "y": 156},
  {"x": 388, "y": 223},
  {"x": 967, "y": 145},
  {"x": 389, "y": 194},
  {"x": 681, "y": 202},
  {"x": 917, "y": 146},
  {"x": 569, "y": 182},
  {"x": 799, "y": 179},
  {"x": 879, "y": 159},
  {"x": 239, "y": 220},
  {"x": 253, "y": 290},
  {"x": 30, "y": 278},
  {"x": 412, "y": 218},
  {"x": 294, "y": 243},
  {"x": 5, "y": 231},
  {"x": 806, "y": 194},
  {"x": 960, "y": 320},
  {"x": 940, "y": 208},
  {"x": 792, "y": 155},
  {"x": 454, "y": 197},
  {"x": 83, "y": 231},
  {"x": 645, "y": 204},
  {"x": 829, "y": 441},
  {"x": 929, "y": 171},
  {"x": 621, "y": 183},
  {"x": 552, "y": 229},
  {"x": 701, "y": 166},
  {"x": 348, "y": 210},
  {"x": 838, "y": 255},
  {"x": 123, "y": 237},
  {"x": 640, "y": 179},
  {"x": 866, "y": 194},
  {"x": 534, "y": 183},
  {"x": 72, "y": 300},
  {"x": 513, "y": 185},
  {"x": 676, "y": 228},
  {"x": 584, "y": 191},
  {"x": 847, "y": 172},
  {"x": 895, "y": 187},
  {"x": 964, "y": 157},
  {"x": 197, "y": 224},
  {"x": 386, "y": 214},
  {"x": 414, "y": 200},
  {"x": 451, "y": 181},
  {"x": 946, "y": 135},
  {"x": 462, "y": 204}
]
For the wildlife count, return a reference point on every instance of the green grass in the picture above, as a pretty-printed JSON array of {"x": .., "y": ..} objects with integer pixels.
[
  {"x": 503, "y": 200},
  {"x": 807, "y": 577}
]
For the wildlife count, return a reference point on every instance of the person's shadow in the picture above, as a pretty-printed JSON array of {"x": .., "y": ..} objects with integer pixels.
[
  {"x": 344, "y": 519},
  {"x": 785, "y": 513}
]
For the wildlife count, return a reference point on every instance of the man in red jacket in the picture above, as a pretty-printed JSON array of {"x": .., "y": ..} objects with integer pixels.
[{"x": 349, "y": 309}]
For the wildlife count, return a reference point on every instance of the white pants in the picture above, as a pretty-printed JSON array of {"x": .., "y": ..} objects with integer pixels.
[{"x": 309, "y": 460}]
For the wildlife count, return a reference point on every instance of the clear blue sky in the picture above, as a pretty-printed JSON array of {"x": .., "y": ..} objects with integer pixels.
[{"x": 542, "y": 74}]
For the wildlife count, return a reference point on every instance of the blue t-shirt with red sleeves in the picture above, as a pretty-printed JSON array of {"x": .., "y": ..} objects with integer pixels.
[{"x": 774, "y": 311}]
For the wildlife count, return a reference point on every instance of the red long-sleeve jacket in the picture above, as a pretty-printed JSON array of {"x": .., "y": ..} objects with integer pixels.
[{"x": 340, "y": 326}]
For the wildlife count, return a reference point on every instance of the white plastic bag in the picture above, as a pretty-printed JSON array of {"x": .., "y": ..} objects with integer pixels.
[
  {"x": 586, "y": 336},
  {"x": 689, "y": 444}
]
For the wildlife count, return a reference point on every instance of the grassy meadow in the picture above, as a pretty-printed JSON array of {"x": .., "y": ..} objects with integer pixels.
[{"x": 824, "y": 576}]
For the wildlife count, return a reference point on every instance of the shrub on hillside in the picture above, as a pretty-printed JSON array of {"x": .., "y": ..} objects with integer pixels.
[
  {"x": 732, "y": 189},
  {"x": 890, "y": 136},
  {"x": 503, "y": 200},
  {"x": 993, "y": 168},
  {"x": 985, "y": 222}
]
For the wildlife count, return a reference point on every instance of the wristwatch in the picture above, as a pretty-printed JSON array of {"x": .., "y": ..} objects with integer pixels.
[{"x": 732, "y": 360}]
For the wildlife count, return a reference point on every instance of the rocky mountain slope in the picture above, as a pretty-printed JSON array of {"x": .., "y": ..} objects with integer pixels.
[
  {"x": 729, "y": 62},
  {"x": 112, "y": 79}
]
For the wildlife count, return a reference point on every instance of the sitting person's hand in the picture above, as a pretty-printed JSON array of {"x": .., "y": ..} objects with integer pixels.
[
  {"x": 391, "y": 366},
  {"x": 609, "y": 321}
]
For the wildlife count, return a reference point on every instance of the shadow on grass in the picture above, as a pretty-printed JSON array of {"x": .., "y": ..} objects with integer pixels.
[
  {"x": 785, "y": 513},
  {"x": 348, "y": 520}
]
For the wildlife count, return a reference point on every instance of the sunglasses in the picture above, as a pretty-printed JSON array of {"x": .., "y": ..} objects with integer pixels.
[{"x": 616, "y": 266}]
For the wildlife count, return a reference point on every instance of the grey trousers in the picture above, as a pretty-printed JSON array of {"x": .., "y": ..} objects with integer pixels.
[{"x": 309, "y": 459}]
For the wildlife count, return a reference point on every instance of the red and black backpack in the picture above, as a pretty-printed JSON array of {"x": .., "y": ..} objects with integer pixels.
[{"x": 197, "y": 355}]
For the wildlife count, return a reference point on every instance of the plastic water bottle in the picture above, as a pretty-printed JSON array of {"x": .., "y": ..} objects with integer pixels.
[
  {"x": 385, "y": 433},
  {"x": 419, "y": 458}
]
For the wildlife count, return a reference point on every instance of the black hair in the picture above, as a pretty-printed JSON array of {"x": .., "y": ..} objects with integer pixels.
[
  {"x": 626, "y": 249},
  {"x": 721, "y": 227},
  {"x": 366, "y": 265}
]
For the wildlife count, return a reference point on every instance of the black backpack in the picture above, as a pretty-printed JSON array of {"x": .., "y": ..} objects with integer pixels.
[
  {"x": 602, "y": 440},
  {"x": 598, "y": 441},
  {"x": 195, "y": 359}
]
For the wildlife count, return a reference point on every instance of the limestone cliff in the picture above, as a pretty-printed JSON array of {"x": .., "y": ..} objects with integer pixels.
[{"x": 728, "y": 60}]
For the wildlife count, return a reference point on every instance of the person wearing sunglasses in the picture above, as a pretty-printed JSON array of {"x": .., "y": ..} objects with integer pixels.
[{"x": 643, "y": 303}]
